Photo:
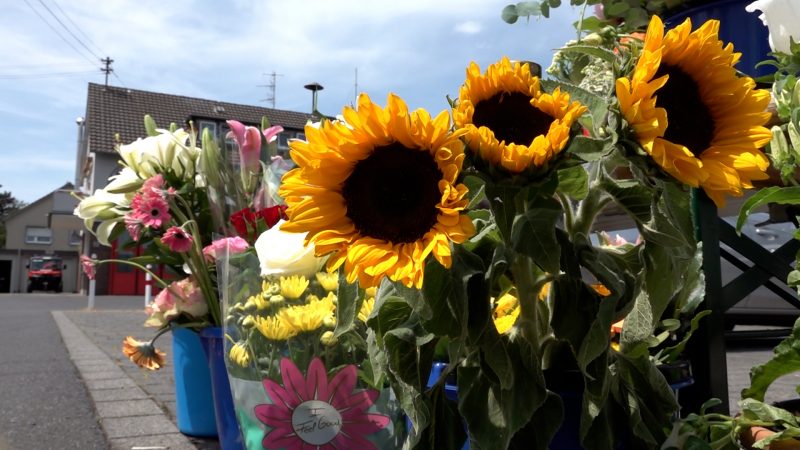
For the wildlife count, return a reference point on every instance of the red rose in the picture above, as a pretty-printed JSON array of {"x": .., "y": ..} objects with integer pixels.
[
  {"x": 273, "y": 214},
  {"x": 245, "y": 223}
]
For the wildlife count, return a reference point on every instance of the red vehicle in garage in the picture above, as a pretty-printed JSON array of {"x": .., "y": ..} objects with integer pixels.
[{"x": 45, "y": 273}]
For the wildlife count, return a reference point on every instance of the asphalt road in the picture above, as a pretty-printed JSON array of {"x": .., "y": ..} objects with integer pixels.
[{"x": 43, "y": 401}]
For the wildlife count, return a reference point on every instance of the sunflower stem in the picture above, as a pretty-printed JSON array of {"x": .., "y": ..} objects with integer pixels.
[
  {"x": 569, "y": 214},
  {"x": 523, "y": 271},
  {"x": 589, "y": 208}
]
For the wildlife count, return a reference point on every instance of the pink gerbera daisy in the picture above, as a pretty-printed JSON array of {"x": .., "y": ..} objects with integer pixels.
[
  {"x": 153, "y": 212},
  {"x": 317, "y": 413},
  {"x": 177, "y": 239}
]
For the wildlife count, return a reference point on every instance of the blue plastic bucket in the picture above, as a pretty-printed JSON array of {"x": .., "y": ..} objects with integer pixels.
[
  {"x": 230, "y": 438},
  {"x": 749, "y": 35},
  {"x": 194, "y": 404}
]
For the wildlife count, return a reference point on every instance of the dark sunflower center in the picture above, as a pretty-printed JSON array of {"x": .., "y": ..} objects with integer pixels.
[
  {"x": 155, "y": 212},
  {"x": 689, "y": 121},
  {"x": 512, "y": 118},
  {"x": 392, "y": 195}
]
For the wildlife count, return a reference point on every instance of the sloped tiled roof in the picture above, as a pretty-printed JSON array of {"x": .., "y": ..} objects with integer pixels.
[{"x": 113, "y": 110}]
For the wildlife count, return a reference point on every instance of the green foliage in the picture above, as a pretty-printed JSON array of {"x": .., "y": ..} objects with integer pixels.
[{"x": 785, "y": 361}]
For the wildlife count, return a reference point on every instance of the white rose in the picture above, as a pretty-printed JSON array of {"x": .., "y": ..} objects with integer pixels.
[
  {"x": 283, "y": 254},
  {"x": 781, "y": 17}
]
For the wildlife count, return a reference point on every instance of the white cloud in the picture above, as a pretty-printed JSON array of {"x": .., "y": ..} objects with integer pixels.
[{"x": 469, "y": 27}]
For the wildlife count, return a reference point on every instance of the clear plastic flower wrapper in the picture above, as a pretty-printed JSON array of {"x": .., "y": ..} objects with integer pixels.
[{"x": 295, "y": 383}]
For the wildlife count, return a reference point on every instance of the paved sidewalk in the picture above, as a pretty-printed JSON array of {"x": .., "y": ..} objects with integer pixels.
[{"x": 136, "y": 407}]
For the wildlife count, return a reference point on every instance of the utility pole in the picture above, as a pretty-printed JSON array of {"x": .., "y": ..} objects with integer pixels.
[
  {"x": 355, "y": 96},
  {"x": 107, "y": 69},
  {"x": 271, "y": 87}
]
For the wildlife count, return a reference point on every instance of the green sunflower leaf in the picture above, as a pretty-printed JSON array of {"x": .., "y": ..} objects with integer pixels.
[
  {"x": 598, "y": 52},
  {"x": 774, "y": 194},
  {"x": 533, "y": 233},
  {"x": 786, "y": 360},
  {"x": 574, "y": 181},
  {"x": 446, "y": 429},
  {"x": 348, "y": 304}
]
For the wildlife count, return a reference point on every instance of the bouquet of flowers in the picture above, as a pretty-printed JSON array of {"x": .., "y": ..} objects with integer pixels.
[
  {"x": 294, "y": 381},
  {"x": 163, "y": 199}
]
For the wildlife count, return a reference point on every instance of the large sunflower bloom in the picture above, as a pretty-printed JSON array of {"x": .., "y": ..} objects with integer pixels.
[
  {"x": 509, "y": 121},
  {"x": 378, "y": 191},
  {"x": 698, "y": 121}
]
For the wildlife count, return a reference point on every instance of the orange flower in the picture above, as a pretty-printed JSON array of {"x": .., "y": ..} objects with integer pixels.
[{"x": 143, "y": 354}]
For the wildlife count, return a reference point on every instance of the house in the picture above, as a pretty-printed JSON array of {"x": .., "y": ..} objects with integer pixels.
[
  {"x": 44, "y": 227},
  {"x": 115, "y": 114}
]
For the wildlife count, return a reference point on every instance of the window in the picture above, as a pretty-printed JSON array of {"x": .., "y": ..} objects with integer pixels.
[
  {"x": 283, "y": 140},
  {"x": 203, "y": 124},
  {"x": 75, "y": 238},
  {"x": 38, "y": 235}
]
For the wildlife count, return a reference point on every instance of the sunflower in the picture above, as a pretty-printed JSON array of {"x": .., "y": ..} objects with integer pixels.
[
  {"x": 697, "y": 120},
  {"x": 378, "y": 191},
  {"x": 509, "y": 121},
  {"x": 143, "y": 354}
]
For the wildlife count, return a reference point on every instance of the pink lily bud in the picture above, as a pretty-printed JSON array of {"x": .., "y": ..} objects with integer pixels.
[{"x": 248, "y": 139}]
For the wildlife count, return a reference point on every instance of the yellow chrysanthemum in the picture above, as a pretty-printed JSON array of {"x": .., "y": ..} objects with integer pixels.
[
  {"x": 239, "y": 354},
  {"x": 366, "y": 309},
  {"x": 293, "y": 287},
  {"x": 506, "y": 311},
  {"x": 328, "y": 281},
  {"x": 259, "y": 301},
  {"x": 378, "y": 191},
  {"x": 371, "y": 291},
  {"x": 308, "y": 317},
  {"x": 509, "y": 121},
  {"x": 328, "y": 339},
  {"x": 275, "y": 328},
  {"x": 698, "y": 121}
]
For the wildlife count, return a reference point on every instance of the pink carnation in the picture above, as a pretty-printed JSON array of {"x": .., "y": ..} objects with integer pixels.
[{"x": 217, "y": 248}]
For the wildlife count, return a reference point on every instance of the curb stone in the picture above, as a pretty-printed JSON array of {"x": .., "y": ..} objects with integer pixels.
[{"x": 130, "y": 419}]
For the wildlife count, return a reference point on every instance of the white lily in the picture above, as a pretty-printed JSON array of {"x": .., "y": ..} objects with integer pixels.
[{"x": 781, "y": 17}]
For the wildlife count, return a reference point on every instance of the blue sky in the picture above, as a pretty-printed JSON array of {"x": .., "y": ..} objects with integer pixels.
[{"x": 418, "y": 49}]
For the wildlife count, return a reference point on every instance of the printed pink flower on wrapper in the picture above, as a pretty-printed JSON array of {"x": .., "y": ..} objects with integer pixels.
[
  {"x": 248, "y": 139},
  {"x": 177, "y": 239},
  {"x": 217, "y": 248},
  {"x": 317, "y": 413}
]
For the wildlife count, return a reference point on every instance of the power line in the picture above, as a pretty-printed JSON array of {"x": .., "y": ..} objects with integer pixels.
[
  {"x": 46, "y": 66},
  {"x": 43, "y": 75},
  {"x": 75, "y": 25},
  {"x": 41, "y": 2},
  {"x": 59, "y": 34}
]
